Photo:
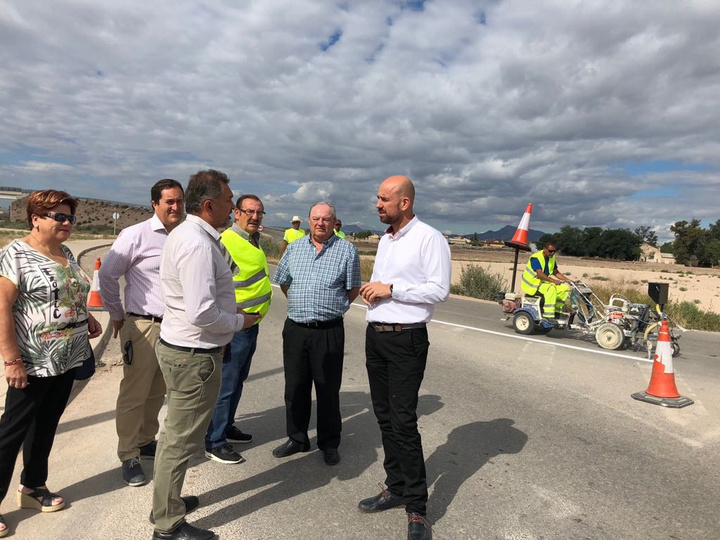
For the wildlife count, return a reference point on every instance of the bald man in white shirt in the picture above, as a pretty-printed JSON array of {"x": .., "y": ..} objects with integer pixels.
[{"x": 411, "y": 274}]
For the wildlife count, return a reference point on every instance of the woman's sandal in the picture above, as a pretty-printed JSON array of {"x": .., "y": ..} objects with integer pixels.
[
  {"x": 40, "y": 499},
  {"x": 3, "y": 528}
]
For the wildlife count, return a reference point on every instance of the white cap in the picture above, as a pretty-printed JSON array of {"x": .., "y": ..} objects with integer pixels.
[{"x": 295, "y": 218}]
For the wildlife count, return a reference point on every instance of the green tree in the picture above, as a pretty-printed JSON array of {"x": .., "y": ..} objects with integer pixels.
[
  {"x": 667, "y": 247},
  {"x": 474, "y": 241},
  {"x": 361, "y": 235},
  {"x": 689, "y": 238},
  {"x": 647, "y": 235},
  {"x": 711, "y": 253},
  {"x": 546, "y": 238},
  {"x": 591, "y": 241},
  {"x": 570, "y": 241},
  {"x": 620, "y": 244}
]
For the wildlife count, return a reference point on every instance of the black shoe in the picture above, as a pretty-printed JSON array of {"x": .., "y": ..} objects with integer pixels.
[
  {"x": 224, "y": 454},
  {"x": 133, "y": 473},
  {"x": 383, "y": 501},
  {"x": 233, "y": 434},
  {"x": 331, "y": 456},
  {"x": 290, "y": 447},
  {"x": 418, "y": 527},
  {"x": 184, "y": 532},
  {"x": 148, "y": 451},
  {"x": 191, "y": 503}
]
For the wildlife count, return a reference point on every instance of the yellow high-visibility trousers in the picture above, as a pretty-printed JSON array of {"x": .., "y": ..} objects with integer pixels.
[{"x": 555, "y": 297}]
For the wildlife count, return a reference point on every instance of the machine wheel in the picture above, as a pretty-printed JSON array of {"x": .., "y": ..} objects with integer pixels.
[
  {"x": 609, "y": 336},
  {"x": 523, "y": 323},
  {"x": 675, "y": 348}
]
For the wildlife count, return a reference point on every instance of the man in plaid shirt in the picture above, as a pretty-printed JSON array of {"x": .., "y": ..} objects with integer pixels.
[{"x": 320, "y": 275}]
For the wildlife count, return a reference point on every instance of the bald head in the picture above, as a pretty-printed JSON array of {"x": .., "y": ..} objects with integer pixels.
[
  {"x": 401, "y": 185},
  {"x": 395, "y": 201}
]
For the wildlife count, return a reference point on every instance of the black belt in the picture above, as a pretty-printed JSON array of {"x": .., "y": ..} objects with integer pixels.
[
  {"x": 391, "y": 327},
  {"x": 320, "y": 324},
  {"x": 152, "y": 318},
  {"x": 74, "y": 325},
  {"x": 191, "y": 350}
]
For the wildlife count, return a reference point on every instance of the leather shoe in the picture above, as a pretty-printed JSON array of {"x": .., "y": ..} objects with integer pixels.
[
  {"x": 184, "y": 532},
  {"x": 290, "y": 447},
  {"x": 383, "y": 501},
  {"x": 418, "y": 527},
  {"x": 331, "y": 456},
  {"x": 191, "y": 503}
]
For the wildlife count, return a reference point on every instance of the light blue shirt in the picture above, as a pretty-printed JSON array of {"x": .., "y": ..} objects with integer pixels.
[{"x": 318, "y": 281}]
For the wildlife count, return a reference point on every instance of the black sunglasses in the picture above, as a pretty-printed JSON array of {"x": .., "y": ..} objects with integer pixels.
[
  {"x": 552, "y": 250},
  {"x": 60, "y": 217}
]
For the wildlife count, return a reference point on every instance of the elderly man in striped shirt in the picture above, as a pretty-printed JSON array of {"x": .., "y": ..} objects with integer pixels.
[
  {"x": 320, "y": 275},
  {"x": 136, "y": 256}
]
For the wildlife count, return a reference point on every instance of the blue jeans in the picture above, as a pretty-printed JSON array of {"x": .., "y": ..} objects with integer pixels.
[{"x": 235, "y": 369}]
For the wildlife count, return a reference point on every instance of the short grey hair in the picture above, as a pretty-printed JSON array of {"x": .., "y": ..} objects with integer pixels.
[
  {"x": 204, "y": 185},
  {"x": 332, "y": 208}
]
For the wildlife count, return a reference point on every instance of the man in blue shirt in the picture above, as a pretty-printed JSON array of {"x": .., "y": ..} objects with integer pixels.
[{"x": 320, "y": 275}]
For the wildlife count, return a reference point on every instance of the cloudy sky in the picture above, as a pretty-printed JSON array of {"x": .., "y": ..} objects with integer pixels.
[{"x": 599, "y": 112}]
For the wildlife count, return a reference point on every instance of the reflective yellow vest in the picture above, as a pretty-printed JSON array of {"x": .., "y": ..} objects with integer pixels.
[
  {"x": 530, "y": 280},
  {"x": 291, "y": 235},
  {"x": 340, "y": 234},
  {"x": 253, "y": 291}
]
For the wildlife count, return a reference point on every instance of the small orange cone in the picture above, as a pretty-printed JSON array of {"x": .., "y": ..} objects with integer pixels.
[
  {"x": 662, "y": 389},
  {"x": 94, "y": 300},
  {"x": 519, "y": 241}
]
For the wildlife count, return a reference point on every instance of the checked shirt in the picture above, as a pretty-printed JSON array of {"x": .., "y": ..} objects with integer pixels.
[{"x": 318, "y": 281}]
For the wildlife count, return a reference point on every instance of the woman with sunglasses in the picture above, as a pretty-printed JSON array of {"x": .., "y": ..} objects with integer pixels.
[{"x": 44, "y": 331}]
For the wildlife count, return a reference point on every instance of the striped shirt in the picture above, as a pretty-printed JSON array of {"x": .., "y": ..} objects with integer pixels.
[
  {"x": 318, "y": 281},
  {"x": 136, "y": 255}
]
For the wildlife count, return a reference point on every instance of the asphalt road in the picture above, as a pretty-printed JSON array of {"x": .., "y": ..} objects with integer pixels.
[{"x": 525, "y": 439}]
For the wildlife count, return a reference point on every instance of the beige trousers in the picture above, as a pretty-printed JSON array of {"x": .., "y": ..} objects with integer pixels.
[{"x": 142, "y": 389}]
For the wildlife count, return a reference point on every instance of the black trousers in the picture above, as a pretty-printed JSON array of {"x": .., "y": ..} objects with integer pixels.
[
  {"x": 313, "y": 356},
  {"x": 396, "y": 366},
  {"x": 30, "y": 420}
]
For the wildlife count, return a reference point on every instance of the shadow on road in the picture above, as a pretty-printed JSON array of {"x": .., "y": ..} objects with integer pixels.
[{"x": 467, "y": 449}]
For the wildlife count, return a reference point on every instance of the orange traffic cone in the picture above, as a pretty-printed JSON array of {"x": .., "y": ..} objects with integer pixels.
[
  {"x": 94, "y": 300},
  {"x": 519, "y": 241},
  {"x": 662, "y": 389}
]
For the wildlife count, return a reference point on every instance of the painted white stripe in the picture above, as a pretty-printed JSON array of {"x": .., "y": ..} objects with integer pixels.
[{"x": 534, "y": 340}]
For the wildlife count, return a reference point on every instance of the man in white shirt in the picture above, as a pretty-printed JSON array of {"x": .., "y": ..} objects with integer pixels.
[
  {"x": 136, "y": 256},
  {"x": 200, "y": 318},
  {"x": 411, "y": 274}
]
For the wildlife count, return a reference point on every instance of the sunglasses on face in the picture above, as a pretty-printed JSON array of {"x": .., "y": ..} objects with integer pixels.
[
  {"x": 60, "y": 217},
  {"x": 551, "y": 251}
]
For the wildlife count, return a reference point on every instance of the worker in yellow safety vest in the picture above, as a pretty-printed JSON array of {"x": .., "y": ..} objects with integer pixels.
[
  {"x": 253, "y": 293},
  {"x": 542, "y": 276},
  {"x": 292, "y": 234},
  {"x": 338, "y": 232}
]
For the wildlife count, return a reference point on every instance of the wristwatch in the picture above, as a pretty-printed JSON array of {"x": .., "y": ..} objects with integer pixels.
[{"x": 391, "y": 289}]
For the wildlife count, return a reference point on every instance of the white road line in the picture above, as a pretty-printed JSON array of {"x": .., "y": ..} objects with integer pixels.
[
  {"x": 534, "y": 340},
  {"x": 525, "y": 338}
]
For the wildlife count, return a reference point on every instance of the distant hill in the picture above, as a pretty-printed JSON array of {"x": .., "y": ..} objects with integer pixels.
[{"x": 506, "y": 233}]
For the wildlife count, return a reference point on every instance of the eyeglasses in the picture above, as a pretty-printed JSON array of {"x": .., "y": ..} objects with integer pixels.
[
  {"x": 551, "y": 250},
  {"x": 60, "y": 217},
  {"x": 250, "y": 213}
]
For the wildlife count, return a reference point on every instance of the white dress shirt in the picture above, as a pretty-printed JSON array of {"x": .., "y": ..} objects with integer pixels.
[
  {"x": 416, "y": 261},
  {"x": 135, "y": 254},
  {"x": 197, "y": 288}
]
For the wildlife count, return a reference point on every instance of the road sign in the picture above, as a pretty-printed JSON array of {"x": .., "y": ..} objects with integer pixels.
[{"x": 116, "y": 216}]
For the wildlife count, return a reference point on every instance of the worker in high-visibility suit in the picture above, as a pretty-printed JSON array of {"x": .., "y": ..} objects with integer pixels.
[
  {"x": 292, "y": 233},
  {"x": 542, "y": 276},
  {"x": 253, "y": 294}
]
